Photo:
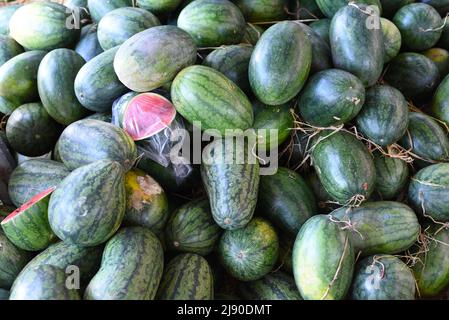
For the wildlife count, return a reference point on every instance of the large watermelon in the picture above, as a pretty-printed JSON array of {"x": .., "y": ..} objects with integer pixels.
[
  {"x": 88, "y": 46},
  {"x": 88, "y": 206},
  {"x": 131, "y": 267}
]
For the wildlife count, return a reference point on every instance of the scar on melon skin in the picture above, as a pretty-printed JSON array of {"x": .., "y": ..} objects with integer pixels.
[{"x": 148, "y": 188}]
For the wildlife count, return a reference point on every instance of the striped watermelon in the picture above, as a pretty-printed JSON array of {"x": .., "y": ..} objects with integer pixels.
[
  {"x": 12, "y": 261},
  {"x": 274, "y": 286}
]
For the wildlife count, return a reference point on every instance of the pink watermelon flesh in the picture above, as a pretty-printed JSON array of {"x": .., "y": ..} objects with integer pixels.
[
  {"x": 147, "y": 114},
  {"x": 28, "y": 204}
]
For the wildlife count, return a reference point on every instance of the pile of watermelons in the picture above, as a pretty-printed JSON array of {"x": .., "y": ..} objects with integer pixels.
[{"x": 91, "y": 92}]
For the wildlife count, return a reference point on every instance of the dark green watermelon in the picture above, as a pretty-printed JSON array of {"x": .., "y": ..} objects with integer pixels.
[
  {"x": 99, "y": 8},
  {"x": 97, "y": 85},
  {"x": 322, "y": 28},
  {"x": 426, "y": 138},
  {"x": 31, "y": 131},
  {"x": 442, "y": 6},
  {"x": 192, "y": 229},
  {"x": 415, "y": 75},
  {"x": 356, "y": 48},
  {"x": 88, "y": 46},
  {"x": 392, "y": 174},
  {"x": 187, "y": 277},
  {"x": 280, "y": 63},
  {"x": 331, "y": 97},
  {"x": 274, "y": 286},
  {"x": 6, "y": 13},
  {"x": 88, "y": 206},
  {"x": 232, "y": 187},
  {"x": 390, "y": 7},
  {"x": 323, "y": 260},
  {"x": 55, "y": 80},
  {"x": 440, "y": 104},
  {"x": 153, "y": 57},
  {"x": 383, "y": 277},
  {"x": 429, "y": 190},
  {"x": 131, "y": 267},
  {"x": 9, "y": 48},
  {"x": 159, "y": 6},
  {"x": 286, "y": 200},
  {"x": 212, "y": 23},
  {"x": 383, "y": 227},
  {"x": 87, "y": 141},
  {"x": 331, "y": 7},
  {"x": 43, "y": 283},
  {"x": 263, "y": 10},
  {"x": 43, "y": 25},
  {"x": 12, "y": 261},
  {"x": 420, "y": 26},
  {"x": 321, "y": 52},
  {"x": 392, "y": 39},
  {"x": 233, "y": 62},
  {"x": 344, "y": 165},
  {"x": 384, "y": 116},
  {"x": 249, "y": 253},
  {"x": 120, "y": 24}
]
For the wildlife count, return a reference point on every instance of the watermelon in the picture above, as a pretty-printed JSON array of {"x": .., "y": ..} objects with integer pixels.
[
  {"x": 252, "y": 34},
  {"x": 392, "y": 39},
  {"x": 440, "y": 104},
  {"x": 249, "y": 253},
  {"x": 415, "y": 75},
  {"x": 392, "y": 174},
  {"x": 187, "y": 277},
  {"x": 192, "y": 229},
  {"x": 390, "y": 7},
  {"x": 268, "y": 118},
  {"x": 441, "y": 59},
  {"x": 18, "y": 78},
  {"x": 356, "y": 48},
  {"x": 99, "y": 8},
  {"x": 442, "y": 6},
  {"x": 331, "y": 7},
  {"x": 4, "y": 294},
  {"x": 275, "y": 286},
  {"x": 420, "y": 26},
  {"x": 341, "y": 152},
  {"x": 27, "y": 227},
  {"x": 431, "y": 270},
  {"x": 159, "y": 6},
  {"x": 384, "y": 116},
  {"x": 9, "y": 48},
  {"x": 31, "y": 131},
  {"x": 55, "y": 79},
  {"x": 231, "y": 186},
  {"x": 43, "y": 25},
  {"x": 198, "y": 95},
  {"x": 280, "y": 63},
  {"x": 88, "y": 206},
  {"x": 88, "y": 46},
  {"x": 131, "y": 267},
  {"x": 383, "y": 277},
  {"x": 120, "y": 24},
  {"x": 286, "y": 199},
  {"x": 97, "y": 85},
  {"x": 6, "y": 106},
  {"x": 153, "y": 57},
  {"x": 43, "y": 283},
  {"x": 323, "y": 260},
  {"x": 233, "y": 62},
  {"x": 263, "y": 11},
  {"x": 87, "y": 141},
  {"x": 33, "y": 177},
  {"x": 12, "y": 260},
  {"x": 426, "y": 138},
  {"x": 321, "y": 52},
  {"x": 6, "y": 13},
  {"x": 322, "y": 28},
  {"x": 143, "y": 115},
  {"x": 146, "y": 202},
  {"x": 383, "y": 227},
  {"x": 212, "y": 23},
  {"x": 66, "y": 256},
  {"x": 429, "y": 190},
  {"x": 331, "y": 97}
]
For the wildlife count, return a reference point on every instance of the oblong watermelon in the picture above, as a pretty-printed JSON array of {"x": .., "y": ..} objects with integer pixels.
[
  {"x": 43, "y": 25},
  {"x": 86, "y": 141},
  {"x": 9, "y": 48},
  {"x": 120, "y": 24},
  {"x": 159, "y": 6},
  {"x": 392, "y": 174},
  {"x": 280, "y": 63},
  {"x": 263, "y": 11},
  {"x": 12, "y": 261},
  {"x": 88, "y": 206},
  {"x": 187, "y": 277},
  {"x": 55, "y": 79},
  {"x": 131, "y": 267},
  {"x": 88, "y": 46},
  {"x": 355, "y": 47},
  {"x": 99, "y": 8},
  {"x": 392, "y": 39},
  {"x": 323, "y": 260},
  {"x": 275, "y": 286}
]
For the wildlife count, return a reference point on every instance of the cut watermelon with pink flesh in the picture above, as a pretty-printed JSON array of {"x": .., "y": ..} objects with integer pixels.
[
  {"x": 27, "y": 227},
  {"x": 146, "y": 115}
]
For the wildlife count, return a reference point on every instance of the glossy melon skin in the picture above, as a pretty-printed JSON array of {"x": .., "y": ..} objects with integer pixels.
[
  {"x": 392, "y": 175},
  {"x": 88, "y": 46}
]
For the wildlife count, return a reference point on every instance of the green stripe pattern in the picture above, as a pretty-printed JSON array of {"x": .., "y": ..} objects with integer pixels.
[
  {"x": 12, "y": 260},
  {"x": 274, "y": 286}
]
